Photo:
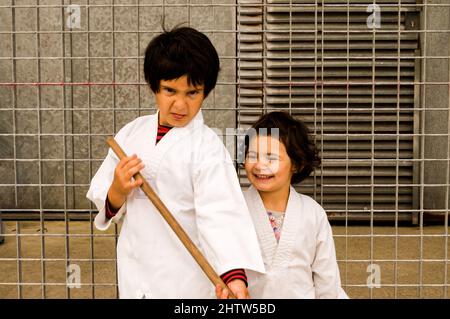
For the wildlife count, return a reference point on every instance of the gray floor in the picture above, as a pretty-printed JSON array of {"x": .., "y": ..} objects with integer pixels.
[{"x": 406, "y": 272}]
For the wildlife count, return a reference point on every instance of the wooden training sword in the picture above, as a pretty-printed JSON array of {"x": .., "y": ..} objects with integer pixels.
[{"x": 173, "y": 223}]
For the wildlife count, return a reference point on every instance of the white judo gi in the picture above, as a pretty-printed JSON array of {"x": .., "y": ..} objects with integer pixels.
[
  {"x": 303, "y": 263},
  {"x": 193, "y": 174}
]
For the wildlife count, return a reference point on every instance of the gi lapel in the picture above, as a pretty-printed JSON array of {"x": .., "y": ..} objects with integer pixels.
[
  {"x": 289, "y": 229},
  {"x": 263, "y": 228},
  {"x": 169, "y": 140}
]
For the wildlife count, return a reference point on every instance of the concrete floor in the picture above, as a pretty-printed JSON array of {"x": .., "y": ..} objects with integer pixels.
[{"x": 406, "y": 272}]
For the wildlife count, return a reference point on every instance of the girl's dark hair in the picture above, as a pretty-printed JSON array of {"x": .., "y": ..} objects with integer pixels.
[
  {"x": 294, "y": 135},
  {"x": 181, "y": 51}
]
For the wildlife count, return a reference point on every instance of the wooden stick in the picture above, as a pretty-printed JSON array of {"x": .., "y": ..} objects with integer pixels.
[{"x": 176, "y": 227}]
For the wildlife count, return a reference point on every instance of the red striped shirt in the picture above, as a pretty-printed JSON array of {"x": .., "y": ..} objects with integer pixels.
[
  {"x": 162, "y": 130},
  {"x": 110, "y": 212}
]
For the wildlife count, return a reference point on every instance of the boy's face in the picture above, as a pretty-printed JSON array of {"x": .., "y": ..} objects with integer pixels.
[
  {"x": 178, "y": 102},
  {"x": 268, "y": 166}
]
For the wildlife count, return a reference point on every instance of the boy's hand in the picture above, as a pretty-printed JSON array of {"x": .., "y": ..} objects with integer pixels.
[
  {"x": 123, "y": 184},
  {"x": 236, "y": 286}
]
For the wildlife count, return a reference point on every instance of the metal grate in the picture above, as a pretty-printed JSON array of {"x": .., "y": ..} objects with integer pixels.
[{"x": 353, "y": 85}]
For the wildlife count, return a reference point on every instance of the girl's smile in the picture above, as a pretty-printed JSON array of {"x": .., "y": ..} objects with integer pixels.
[{"x": 263, "y": 177}]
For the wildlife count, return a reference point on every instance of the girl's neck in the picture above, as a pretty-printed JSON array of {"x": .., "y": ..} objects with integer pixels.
[{"x": 276, "y": 200}]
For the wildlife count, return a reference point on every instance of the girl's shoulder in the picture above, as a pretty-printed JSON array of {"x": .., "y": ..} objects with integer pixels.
[
  {"x": 309, "y": 205},
  {"x": 305, "y": 199},
  {"x": 308, "y": 201}
]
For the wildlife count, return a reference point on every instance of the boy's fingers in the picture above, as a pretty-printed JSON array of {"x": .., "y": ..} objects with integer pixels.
[
  {"x": 136, "y": 183},
  {"x": 132, "y": 163},
  {"x": 132, "y": 171},
  {"x": 122, "y": 162},
  {"x": 221, "y": 293},
  {"x": 218, "y": 291},
  {"x": 240, "y": 295},
  {"x": 225, "y": 294},
  {"x": 125, "y": 160}
]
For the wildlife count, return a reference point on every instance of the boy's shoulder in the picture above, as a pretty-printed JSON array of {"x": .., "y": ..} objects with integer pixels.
[
  {"x": 209, "y": 139},
  {"x": 198, "y": 125},
  {"x": 137, "y": 122},
  {"x": 133, "y": 126}
]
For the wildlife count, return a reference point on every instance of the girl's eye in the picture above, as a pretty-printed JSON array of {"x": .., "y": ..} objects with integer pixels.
[
  {"x": 273, "y": 158},
  {"x": 251, "y": 156}
]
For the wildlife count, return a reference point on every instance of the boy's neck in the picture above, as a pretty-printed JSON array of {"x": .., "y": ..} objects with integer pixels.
[
  {"x": 275, "y": 200},
  {"x": 164, "y": 125}
]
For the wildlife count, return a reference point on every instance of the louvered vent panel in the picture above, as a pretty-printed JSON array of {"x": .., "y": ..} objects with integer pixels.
[{"x": 352, "y": 85}]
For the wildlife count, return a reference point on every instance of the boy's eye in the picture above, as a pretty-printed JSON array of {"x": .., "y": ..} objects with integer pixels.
[
  {"x": 193, "y": 93},
  {"x": 169, "y": 90}
]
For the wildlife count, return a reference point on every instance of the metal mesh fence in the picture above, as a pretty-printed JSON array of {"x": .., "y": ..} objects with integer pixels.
[{"x": 370, "y": 78}]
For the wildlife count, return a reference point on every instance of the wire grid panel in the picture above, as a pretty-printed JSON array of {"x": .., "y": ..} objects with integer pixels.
[
  {"x": 357, "y": 72},
  {"x": 374, "y": 92},
  {"x": 71, "y": 76}
]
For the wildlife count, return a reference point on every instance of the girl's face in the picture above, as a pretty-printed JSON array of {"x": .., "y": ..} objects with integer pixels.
[{"x": 268, "y": 166}]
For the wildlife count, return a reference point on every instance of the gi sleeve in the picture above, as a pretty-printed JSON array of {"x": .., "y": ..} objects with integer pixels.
[
  {"x": 98, "y": 191},
  {"x": 325, "y": 269},
  {"x": 101, "y": 182},
  {"x": 225, "y": 229}
]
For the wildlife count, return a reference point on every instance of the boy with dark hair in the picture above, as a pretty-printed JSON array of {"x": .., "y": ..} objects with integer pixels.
[{"x": 189, "y": 168}]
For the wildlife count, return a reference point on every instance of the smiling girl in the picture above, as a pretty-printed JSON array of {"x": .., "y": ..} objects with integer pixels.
[{"x": 294, "y": 234}]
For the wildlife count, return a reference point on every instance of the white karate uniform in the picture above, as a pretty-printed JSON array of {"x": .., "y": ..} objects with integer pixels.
[
  {"x": 303, "y": 264},
  {"x": 193, "y": 174}
]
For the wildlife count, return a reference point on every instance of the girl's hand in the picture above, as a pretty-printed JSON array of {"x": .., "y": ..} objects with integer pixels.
[{"x": 123, "y": 183}]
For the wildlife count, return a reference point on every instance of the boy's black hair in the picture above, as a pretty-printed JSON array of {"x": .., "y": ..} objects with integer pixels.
[
  {"x": 181, "y": 51},
  {"x": 294, "y": 135}
]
